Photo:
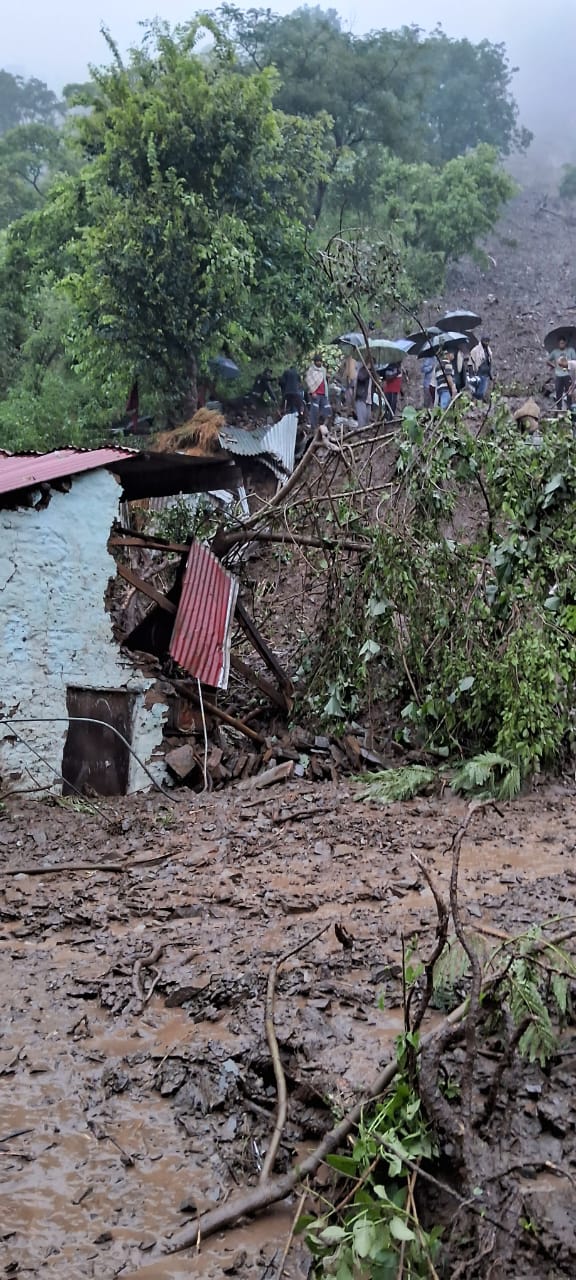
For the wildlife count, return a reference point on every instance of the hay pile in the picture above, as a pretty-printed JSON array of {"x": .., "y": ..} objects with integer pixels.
[{"x": 199, "y": 435}]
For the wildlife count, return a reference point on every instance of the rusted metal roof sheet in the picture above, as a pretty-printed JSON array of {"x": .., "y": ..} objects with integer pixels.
[
  {"x": 203, "y": 627},
  {"x": 19, "y": 471}
]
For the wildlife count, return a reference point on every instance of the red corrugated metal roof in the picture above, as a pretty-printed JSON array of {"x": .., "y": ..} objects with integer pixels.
[
  {"x": 18, "y": 471},
  {"x": 201, "y": 636}
]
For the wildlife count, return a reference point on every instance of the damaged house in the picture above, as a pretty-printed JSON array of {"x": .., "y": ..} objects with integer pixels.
[{"x": 65, "y": 675}]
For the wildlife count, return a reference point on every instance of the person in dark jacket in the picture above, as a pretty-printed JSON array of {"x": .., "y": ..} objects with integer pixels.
[{"x": 291, "y": 391}]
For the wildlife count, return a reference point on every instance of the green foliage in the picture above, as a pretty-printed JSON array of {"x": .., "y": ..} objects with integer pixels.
[
  {"x": 488, "y": 774},
  {"x": 390, "y": 785},
  {"x": 418, "y": 97},
  {"x": 181, "y": 232},
  {"x": 377, "y": 1226},
  {"x": 567, "y": 187},
  {"x": 191, "y": 203},
  {"x": 538, "y": 990},
  {"x": 30, "y": 157},
  {"x": 438, "y": 214},
  {"x": 25, "y": 102},
  {"x": 469, "y": 100},
  {"x": 472, "y": 634}
]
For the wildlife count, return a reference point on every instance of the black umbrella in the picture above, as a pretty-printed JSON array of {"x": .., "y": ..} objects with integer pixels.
[
  {"x": 460, "y": 320},
  {"x": 443, "y": 341},
  {"x": 224, "y": 368},
  {"x": 566, "y": 331},
  {"x": 423, "y": 336}
]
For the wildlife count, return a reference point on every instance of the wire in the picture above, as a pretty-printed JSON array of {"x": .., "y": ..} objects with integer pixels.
[
  {"x": 49, "y": 766},
  {"x": 82, "y": 720},
  {"x": 205, "y": 764}
]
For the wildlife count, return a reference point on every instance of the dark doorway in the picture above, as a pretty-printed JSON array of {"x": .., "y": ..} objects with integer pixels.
[{"x": 96, "y": 761}]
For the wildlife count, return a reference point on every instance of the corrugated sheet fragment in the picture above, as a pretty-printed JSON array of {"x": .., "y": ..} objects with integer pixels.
[
  {"x": 203, "y": 627},
  {"x": 273, "y": 444},
  {"x": 19, "y": 471}
]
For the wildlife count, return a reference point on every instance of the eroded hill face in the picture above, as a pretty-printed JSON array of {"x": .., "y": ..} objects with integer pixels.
[{"x": 525, "y": 286}]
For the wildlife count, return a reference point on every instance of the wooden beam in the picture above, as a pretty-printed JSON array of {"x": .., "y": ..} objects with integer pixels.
[
  {"x": 261, "y": 683},
  {"x": 157, "y": 544},
  {"x": 182, "y": 687},
  {"x": 251, "y": 630},
  {"x": 146, "y": 588}
]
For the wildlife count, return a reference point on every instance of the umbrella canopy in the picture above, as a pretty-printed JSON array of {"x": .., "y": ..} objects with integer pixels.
[
  {"x": 351, "y": 339},
  {"x": 566, "y": 331},
  {"x": 462, "y": 321},
  {"x": 443, "y": 340},
  {"x": 408, "y": 345},
  {"x": 389, "y": 351},
  {"x": 224, "y": 368},
  {"x": 423, "y": 336}
]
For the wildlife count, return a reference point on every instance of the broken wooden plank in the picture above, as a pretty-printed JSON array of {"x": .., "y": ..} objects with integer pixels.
[
  {"x": 275, "y": 695},
  {"x": 155, "y": 544},
  {"x": 182, "y": 687},
  {"x": 146, "y": 588},
  {"x": 279, "y": 773},
  {"x": 251, "y": 630}
]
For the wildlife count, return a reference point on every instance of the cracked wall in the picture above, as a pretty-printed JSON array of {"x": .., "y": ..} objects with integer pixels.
[{"x": 55, "y": 631}]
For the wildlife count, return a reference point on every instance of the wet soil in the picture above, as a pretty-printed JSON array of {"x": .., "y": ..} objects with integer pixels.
[
  {"x": 524, "y": 286},
  {"x": 117, "y": 1117}
]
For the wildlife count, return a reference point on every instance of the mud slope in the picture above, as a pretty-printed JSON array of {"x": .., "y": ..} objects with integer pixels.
[
  {"x": 117, "y": 1117},
  {"x": 526, "y": 285}
]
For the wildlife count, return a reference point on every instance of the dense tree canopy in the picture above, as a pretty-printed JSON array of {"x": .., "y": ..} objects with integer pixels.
[
  {"x": 26, "y": 102},
  {"x": 178, "y": 210},
  {"x": 423, "y": 98}
]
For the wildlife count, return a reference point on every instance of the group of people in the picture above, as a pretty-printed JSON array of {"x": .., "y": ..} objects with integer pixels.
[
  {"x": 444, "y": 374},
  {"x": 450, "y": 371}
]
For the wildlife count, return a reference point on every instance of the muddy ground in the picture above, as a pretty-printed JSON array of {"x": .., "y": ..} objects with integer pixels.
[
  {"x": 118, "y": 1119},
  {"x": 123, "y": 1118},
  {"x": 524, "y": 286}
]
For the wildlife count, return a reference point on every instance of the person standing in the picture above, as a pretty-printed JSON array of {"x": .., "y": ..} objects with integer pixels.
[
  {"x": 347, "y": 375},
  {"x": 317, "y": 385},
  {"x": 461, "y": 361},
  {"x": 291, "y": 391},
  {"x": 558, "y": 361},
  {"x": 362, "y": 396},
  {"x": 443, "y": 380},
  {"x": 428, "y": 366},
  {"x": 481, "y": 359},
  {"x": 392, "y": 389}
]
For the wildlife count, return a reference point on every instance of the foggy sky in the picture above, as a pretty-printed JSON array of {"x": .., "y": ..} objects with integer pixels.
[{"x": 57, "y": 41}]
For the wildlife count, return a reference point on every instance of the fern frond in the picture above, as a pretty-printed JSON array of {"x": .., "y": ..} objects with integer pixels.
[
  {"x": 488, "y": 774},
  {"x": 390, "y": 785}
]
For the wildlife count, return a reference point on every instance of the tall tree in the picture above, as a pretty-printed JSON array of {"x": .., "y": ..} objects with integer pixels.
[
  {"x": 192, "y": 203},
  {"x": 418, "y": 97},
  {"x": 469, "y": 100},
  {"x": 370, "y": 86},
  {"x": 30, "y": 157},
  {"x": 26, "y": 102}
]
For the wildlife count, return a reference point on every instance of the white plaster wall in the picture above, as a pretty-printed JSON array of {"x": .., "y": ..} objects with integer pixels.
[{"x": 54, "y": 628}]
